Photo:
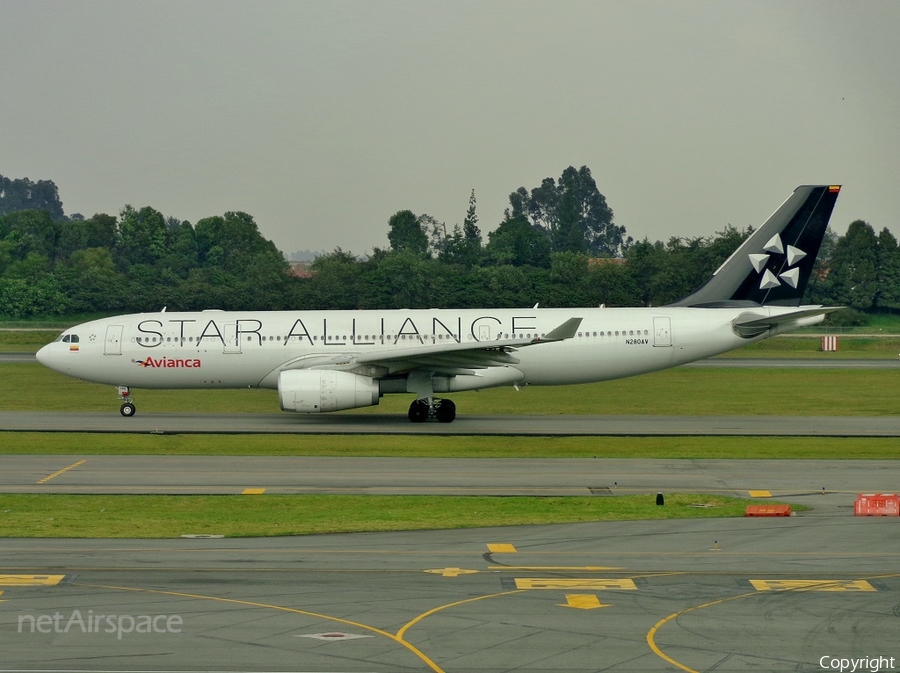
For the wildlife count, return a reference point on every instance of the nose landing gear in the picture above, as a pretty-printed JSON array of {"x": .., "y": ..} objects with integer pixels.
[{"x": 127, "y": 409}]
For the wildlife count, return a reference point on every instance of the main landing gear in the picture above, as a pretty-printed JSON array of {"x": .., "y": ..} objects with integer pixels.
[
  {"x": 127, "y": 409},
  {"x": 421, "y": 410}
]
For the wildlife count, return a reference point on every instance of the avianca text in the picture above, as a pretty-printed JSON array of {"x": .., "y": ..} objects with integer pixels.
[{"x": 168, "y": 363}]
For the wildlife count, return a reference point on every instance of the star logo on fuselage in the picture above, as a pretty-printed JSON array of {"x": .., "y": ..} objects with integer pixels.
[{"x": 769, "y": 280}]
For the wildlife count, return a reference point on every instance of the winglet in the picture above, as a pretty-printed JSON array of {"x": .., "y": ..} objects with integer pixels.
[{"x": 565, "y": 331}]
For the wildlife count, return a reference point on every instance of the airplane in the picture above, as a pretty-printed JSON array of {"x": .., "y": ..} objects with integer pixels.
[{"x": 321, "y": 361}]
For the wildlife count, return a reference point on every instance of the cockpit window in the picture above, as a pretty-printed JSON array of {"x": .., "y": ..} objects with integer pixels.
[
  {"x": 67, "y": 338},
  {"x": 74, "y": 339}
]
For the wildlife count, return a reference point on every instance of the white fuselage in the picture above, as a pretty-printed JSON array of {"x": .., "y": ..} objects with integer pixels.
[{"x": 219, "y": 349}]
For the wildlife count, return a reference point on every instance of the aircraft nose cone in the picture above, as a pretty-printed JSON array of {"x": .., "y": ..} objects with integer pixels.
[{"x": 48, "y": 357}]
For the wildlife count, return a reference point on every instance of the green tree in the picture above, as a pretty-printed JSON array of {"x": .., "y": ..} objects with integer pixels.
[
  {"x": 142, "y": 235},
  {"x": 23, "y": 194},
  {"x": 336, "y": 281},
  {"x": 399, "y": 280},
  {"x": 27, "y": 232},
  {"x": 887, "y": 292},
  {"x": 463, "y": 246},
  {"x": 573, "y": 212},
  {"x": 182, "y": 250},
  {"x": 406, "y": 234},
  {"x": 853, "y": 277},
  {"x": 92, "y": 282},
  {"x": 568, "y": 279},
  {"x": 609, "y": 283},
  {"x": 22, "y": 298},
  {"x": 516, "y": 242},
  {"x": 79, "y": 234},
  {"x": 509, "y": 286}
]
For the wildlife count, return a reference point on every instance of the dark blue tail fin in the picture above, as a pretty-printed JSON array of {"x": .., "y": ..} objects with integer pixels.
[{"x": 773, "y": 266}]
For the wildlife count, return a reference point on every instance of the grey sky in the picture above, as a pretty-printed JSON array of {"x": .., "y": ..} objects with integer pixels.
[{"x": 322, "y": 119}]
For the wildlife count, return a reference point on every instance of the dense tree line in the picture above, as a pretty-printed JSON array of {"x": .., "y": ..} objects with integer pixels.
[
  {"x": 557, "y": 246},
  {"x": 138, "y": 261}
]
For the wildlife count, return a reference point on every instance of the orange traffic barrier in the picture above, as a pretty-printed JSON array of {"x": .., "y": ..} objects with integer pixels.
[
  {"x": 877, "y": 504},
  {"x": 768, "y": 510}
]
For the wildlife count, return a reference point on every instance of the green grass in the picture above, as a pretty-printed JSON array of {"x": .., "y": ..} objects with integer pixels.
[
  {"x": 817, "y": 448},
  {"x": 682, "y": 391},
  {"x": 58, "y": 323},
  {"x": 126, "y": 516},
  {"x": 805, "y": 347},
  {"x": 679, "y": 391},
  {"x": 25, "y": 341}
]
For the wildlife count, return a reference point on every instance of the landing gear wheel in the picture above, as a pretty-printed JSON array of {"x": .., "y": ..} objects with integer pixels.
[
  {"x": 127, "y": 409},
  {"x": 445, "y": 411},
  {"x": 418, "y": 411}
]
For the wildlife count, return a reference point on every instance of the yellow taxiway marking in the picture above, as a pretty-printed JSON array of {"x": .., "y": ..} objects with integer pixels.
[
  {"x": 812, "y": 585},
  {"x": 590, "y": 584},
  {"x": 59, "y": 472},
  {"x": 4, "y": 600},
  {"x": 760, "y": 494},
  {"x": 501, "y": 548},
  {"x": 451, "y": 572},
  {"x": 30, "y": 580},
  {"x": 398, "y": 638},
  {"x": 401, "y": 634},
  {"x": 253, "y": 491},
  {"x": 583, "y": 602},
  {"x": 572, "y": 568},
  {"x": 651, "y": 634},
  {"x": 782, "y": 585}
]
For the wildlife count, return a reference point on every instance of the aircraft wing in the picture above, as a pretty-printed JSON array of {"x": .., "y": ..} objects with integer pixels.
[
  {"x": 445, "y": 358},
  {"x": 753, "y": 324}
]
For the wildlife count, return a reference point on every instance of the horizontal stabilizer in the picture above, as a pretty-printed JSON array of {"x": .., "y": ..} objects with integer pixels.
[{"x": 752, "y": 324}]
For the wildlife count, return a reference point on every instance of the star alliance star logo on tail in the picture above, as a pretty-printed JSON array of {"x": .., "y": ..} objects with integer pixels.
[{"x": 769, "y": 280}]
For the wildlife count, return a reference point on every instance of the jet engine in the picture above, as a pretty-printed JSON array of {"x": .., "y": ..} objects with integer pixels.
[{"x": 312, "y": 391}]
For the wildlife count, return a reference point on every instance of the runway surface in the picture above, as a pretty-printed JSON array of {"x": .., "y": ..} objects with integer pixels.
[
  {"x": 705, "y": 595},
  {"x": 393, "y": 424},
  {"x": 439, "y": 476}
]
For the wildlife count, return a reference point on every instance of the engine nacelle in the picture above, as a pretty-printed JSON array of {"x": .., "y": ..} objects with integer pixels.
[{"x": 312, "y": 391}]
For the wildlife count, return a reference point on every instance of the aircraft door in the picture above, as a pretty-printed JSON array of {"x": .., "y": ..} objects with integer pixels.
[
  {"x": 113, "y": 343},
  {"x": 484, "y": 332},
  {"x": 232, "y": 340},
  {"x": 662, "y": 331}
]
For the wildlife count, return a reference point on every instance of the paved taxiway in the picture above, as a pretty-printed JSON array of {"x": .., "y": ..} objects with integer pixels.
[
  {"x": 724, "y": 595},
  {"x": 465, "y": 424},
  {"x": 438, "y": 476}
]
